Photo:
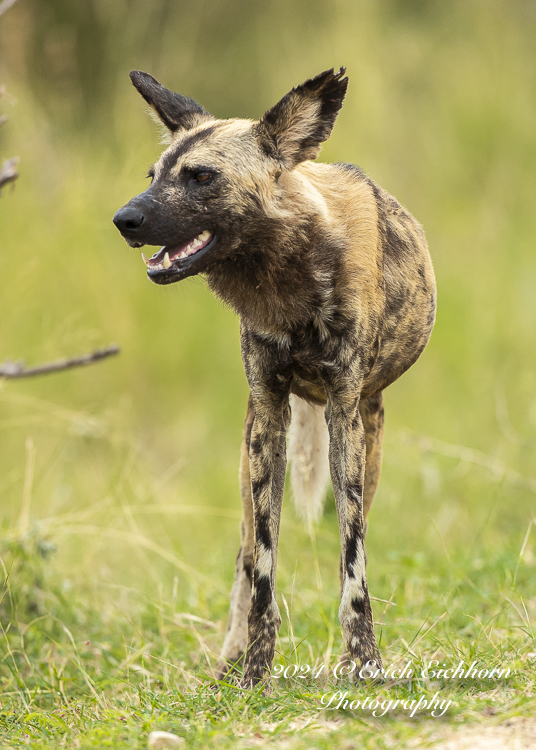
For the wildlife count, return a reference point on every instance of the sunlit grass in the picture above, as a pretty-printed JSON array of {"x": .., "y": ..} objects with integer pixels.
[{"x": 113, "y": 611}]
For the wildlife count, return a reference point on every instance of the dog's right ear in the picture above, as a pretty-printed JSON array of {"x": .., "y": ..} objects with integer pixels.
[{"x": 176, "y": 112}]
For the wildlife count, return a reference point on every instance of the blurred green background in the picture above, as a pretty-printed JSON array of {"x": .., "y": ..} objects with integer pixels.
[{"x": 129, "y": 468}]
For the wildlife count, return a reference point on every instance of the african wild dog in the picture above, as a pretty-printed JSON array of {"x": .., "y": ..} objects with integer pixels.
[{"x": 334, "y": 286}]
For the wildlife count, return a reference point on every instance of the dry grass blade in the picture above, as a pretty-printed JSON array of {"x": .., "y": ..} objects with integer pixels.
[
  {"x": 139, "y": 540},
  {"x": 471, "y": 456}
]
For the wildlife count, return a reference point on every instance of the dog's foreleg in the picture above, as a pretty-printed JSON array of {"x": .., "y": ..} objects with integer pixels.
[
  {"x": 235, "y": 641},
  {"x": 268, "y": 461},
  {"x": 347, "y": 463}
]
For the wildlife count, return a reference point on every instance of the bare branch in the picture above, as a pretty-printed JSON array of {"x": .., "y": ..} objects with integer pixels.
[
  {"x": 6, "y": 5},
  {"x": 8, "y": 171},
  {"x": 18, "y": 370}
]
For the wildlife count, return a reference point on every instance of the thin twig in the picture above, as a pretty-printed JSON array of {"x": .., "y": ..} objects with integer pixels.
[
  {"x": 8, "y": 171},
  {"x": 6, "y": 5},
  {"x": 18, "y": 370}
]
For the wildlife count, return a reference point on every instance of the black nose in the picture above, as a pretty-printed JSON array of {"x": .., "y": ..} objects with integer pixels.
[{"x": 128, "y": 219}]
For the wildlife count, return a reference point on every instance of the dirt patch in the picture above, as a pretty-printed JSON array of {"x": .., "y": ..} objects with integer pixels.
[{"x": 515, "y": 734}]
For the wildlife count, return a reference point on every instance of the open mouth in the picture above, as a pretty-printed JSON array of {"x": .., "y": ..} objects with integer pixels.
[{"x": 172, "y": 262}]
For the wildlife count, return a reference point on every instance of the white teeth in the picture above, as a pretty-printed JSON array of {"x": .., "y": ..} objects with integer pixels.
[
  {"x": 166, "y": 262},
  {"x": 197, "y": 242}
]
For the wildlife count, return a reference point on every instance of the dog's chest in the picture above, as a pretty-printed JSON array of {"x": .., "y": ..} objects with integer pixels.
[{"x": 305, "y": 357}]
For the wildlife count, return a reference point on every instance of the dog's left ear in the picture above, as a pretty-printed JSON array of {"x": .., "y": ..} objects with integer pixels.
[
  {"x": 176, "y": 112},
  {"x": 293, "y": 130}
]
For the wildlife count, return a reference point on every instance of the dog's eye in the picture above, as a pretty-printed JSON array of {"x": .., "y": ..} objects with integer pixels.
[{"x": 203, "y": 176}]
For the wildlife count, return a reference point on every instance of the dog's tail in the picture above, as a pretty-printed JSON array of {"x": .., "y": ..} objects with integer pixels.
[{"x": 308, "y": 454}]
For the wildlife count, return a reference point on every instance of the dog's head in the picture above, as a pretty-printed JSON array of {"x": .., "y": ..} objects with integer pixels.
[{"x": 217, "y": 183}]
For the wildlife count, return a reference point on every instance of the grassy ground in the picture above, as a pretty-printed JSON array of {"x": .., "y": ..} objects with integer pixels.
[
  {"x": 118, "y": 488},
  {"x": 92, "y": 662}
]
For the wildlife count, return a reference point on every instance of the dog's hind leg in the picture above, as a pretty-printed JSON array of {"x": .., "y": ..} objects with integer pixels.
[
  {"x": 371, "y": 410},
  {"x": 235, "y": 641}
]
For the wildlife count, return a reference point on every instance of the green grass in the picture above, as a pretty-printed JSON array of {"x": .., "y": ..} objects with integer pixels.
[
  {"x": 118, "y": 483},
  {"x": 105, "y": 663}
]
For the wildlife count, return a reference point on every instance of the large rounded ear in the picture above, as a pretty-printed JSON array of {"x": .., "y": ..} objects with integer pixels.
[
  {"x": 175, "y": 111},
  {"x": 293, "y": 130}
]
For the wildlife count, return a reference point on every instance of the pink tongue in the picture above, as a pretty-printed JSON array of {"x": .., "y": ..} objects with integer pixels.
[{"x": 174, "y": 253}]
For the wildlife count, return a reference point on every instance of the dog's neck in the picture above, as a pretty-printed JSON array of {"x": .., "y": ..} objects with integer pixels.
[{"x": 278, "y": 287}]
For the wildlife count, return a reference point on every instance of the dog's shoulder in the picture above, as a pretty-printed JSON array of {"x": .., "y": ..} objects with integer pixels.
[{"x": 347, "y": 190}]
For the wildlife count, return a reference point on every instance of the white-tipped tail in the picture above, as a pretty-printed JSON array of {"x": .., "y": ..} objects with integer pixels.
[{"x": 308, "y": 456}]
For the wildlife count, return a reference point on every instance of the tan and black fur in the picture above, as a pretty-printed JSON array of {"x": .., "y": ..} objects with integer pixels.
[{"x": 334, "y": 286}]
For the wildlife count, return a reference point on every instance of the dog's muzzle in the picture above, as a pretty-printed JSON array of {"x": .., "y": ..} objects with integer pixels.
[{"x": 129, "y": 220}]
